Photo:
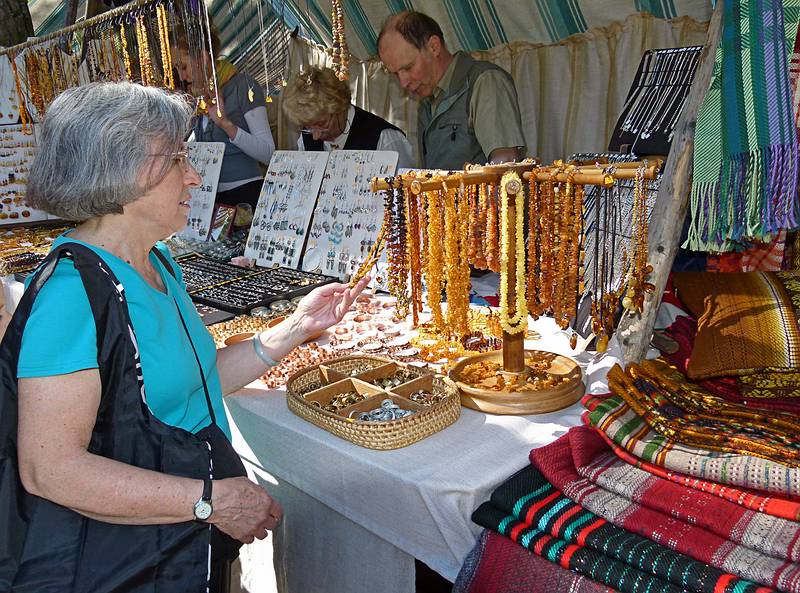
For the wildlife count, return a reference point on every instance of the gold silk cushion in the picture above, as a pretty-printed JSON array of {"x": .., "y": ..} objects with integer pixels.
[{"x": 746, "y": 322}]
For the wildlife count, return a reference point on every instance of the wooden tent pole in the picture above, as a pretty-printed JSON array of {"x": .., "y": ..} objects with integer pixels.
[
  {"x": 669, "y": 210},
  {"x": 513, "y": 344}
]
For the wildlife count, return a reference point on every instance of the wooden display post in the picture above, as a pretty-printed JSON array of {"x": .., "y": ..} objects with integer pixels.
[
  {"x": 669, "y": 211},
  {"x": 513, "y": 344}
]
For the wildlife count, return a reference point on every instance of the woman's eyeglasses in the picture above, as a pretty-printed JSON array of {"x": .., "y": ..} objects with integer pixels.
[{"x": 180, "y": 157}]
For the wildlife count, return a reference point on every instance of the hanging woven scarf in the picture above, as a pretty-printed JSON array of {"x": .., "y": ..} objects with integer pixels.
[{"x": 745, "y": 187}]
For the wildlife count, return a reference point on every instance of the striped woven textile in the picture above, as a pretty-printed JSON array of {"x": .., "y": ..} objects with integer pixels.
[
  {"x": 531, "y": 511},
  {"x": 742, "y": 390},
  {"x": 746, "y": 323},
  {"x": 677, "y": 408},
  {"x": 751, "y": 545},
  {"x": 611, "y": 415},
  {"x": 578, "y": 558},
  {"x": 757, "y": 257},
  {"x": 745, "y": 187},
  {"x": 498, "y": 565},
  {"x": 749, "y": 499}
]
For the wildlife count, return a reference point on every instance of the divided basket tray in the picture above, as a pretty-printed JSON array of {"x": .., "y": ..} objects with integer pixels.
[{"x": 333, "y": 396}]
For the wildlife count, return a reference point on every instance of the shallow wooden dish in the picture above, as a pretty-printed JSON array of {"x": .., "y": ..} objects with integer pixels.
[{"x": 522, "y": 402}]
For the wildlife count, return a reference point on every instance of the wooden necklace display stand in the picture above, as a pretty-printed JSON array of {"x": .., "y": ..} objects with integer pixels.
[{"x": 513, "y": 355}]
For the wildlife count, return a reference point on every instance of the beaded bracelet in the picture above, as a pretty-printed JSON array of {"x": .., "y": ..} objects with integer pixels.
[{"x": 258, "y": 346}]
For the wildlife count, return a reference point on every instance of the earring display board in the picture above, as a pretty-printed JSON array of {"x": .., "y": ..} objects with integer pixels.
[
  {"x": 17, "y": 150},
  {"x": 285, "y": 206},
  {"x": 206, "y": 158},
  {"x": 348, "y": 215},
  {"x": 9, "y": 99},
  {"x": 656, "y": 99}
]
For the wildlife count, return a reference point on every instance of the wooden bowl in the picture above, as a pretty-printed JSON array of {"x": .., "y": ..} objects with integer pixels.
[
  {"x": 236, "y": 338},
  {"x": 282, "y": 318},
  {"x": 542, "y": 401}
]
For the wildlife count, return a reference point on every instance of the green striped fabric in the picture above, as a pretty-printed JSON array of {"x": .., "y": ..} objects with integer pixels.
[
  {"x": 467, "y": 24},
  {"x": 744, "y": 187}
]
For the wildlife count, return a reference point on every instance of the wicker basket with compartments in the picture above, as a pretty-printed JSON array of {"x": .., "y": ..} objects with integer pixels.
[{"x": 374, "y": 402}]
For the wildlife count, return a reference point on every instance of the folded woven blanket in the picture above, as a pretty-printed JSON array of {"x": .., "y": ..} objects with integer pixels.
[
  {"x": 611, "y": 415},
  {"x": 753, "y": 500},
  {"x": 679, "y": 409},
  {"x": 751, "y": 545},
  {"x": 529, "y": 510},
  {"x": 498, "y": 565}
]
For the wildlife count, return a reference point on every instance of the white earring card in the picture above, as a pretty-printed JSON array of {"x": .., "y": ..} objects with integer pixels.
[
  {"x": 17, "y": 149},
  {"x": 206, "y": 158},
  {"x": 285, "y": 206},
  {"x": 348, "y": 216},
  {"x": 9, "y": 97}
]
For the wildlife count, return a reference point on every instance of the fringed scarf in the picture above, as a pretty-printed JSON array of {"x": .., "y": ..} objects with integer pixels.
[{"x": 746, "y": 154}]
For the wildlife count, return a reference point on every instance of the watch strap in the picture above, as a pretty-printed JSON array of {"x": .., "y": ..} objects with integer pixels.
[{"x": 207, "y": 483}]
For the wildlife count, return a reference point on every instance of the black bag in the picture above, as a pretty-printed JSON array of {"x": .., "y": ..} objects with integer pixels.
[
  {"x": 225, "y": 461},
  {"x": 45, "y": 547}
]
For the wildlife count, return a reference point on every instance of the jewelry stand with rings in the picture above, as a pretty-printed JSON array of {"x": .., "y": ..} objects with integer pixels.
[{"x": 485, "y": 228}]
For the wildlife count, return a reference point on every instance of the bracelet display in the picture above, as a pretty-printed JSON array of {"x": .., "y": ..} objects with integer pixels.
[{"x": 258, "y": 346}]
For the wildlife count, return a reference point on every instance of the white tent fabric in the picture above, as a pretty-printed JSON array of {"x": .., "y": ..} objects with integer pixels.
[{"x": 570, "y": 93}]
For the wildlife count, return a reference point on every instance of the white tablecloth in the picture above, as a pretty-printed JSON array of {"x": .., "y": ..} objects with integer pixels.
[{"x": 356, "y": 518}]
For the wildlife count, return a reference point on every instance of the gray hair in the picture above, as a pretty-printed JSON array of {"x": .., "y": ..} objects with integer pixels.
[{"x": 97, "y": 141}]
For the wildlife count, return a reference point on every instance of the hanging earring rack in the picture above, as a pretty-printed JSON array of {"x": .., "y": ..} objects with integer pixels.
[{"x": 515, "y": 365}]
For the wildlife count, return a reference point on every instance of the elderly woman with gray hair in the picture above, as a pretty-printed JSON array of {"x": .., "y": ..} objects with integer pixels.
[
  {"x": 319, "y": 102},
  {"x": 126, "y": 477}
]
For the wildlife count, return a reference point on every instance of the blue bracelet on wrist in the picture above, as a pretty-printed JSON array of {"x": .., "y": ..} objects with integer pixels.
[{"x": 258, "y": 346}]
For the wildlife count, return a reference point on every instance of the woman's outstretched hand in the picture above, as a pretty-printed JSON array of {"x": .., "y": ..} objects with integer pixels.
[{"x": 325, "y": 306}]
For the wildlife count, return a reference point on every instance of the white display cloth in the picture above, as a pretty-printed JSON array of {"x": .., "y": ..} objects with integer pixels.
[{"x": 418, "y": 499}]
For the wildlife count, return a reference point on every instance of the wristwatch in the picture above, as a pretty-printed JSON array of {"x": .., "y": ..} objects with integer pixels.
[{"x": 203, "y": 507}]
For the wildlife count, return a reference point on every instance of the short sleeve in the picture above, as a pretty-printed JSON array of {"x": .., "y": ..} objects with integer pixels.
[
  {"x": 494, "y": 112},
  {"x": 60, "y": 336}
]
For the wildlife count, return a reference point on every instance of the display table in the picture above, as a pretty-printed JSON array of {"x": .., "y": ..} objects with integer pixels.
[{"x": 356, "y": 518}]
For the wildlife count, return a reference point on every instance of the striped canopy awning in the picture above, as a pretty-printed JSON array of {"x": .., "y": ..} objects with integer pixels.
[{"x": 467, "y": 24}]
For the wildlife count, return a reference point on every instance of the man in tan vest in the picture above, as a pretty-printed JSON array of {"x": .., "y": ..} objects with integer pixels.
[{"x": 468, "y": 112}]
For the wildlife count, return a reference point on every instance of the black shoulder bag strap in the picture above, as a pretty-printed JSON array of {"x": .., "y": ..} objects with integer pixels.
[{"x": 225, "y": 462}]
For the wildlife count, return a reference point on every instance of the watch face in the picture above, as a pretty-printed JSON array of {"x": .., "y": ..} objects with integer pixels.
[{"x": 203, "y": 509}]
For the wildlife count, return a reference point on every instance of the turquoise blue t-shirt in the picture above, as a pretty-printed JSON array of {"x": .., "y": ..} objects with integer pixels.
[{"x": 60, "y": 338}]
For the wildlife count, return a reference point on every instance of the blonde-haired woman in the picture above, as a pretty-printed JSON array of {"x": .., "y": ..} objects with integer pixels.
[{"x": 320, "y": 103}]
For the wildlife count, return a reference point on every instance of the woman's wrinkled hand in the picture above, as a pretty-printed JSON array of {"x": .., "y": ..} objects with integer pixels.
[
  {"x": 325, "y": 306},
  {"x": 244, "y": 510}
]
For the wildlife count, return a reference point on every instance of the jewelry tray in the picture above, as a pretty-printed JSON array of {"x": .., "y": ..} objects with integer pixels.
[
  {"x": 238, "y": 290},
  {"x": 314, "y": 387}
]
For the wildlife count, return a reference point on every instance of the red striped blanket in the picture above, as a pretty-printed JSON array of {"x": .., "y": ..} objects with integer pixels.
[
  {"x": 753, "y": 500},
  {"x": 752, "y": 545},
  {"x": 499, "y": 565},
  {"x": 531, "y": 511}
]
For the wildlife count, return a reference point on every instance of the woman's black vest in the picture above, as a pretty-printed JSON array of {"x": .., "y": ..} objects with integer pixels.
[
  {"x": 45, "y": 547},
  {"x": 365, "y": 132}
]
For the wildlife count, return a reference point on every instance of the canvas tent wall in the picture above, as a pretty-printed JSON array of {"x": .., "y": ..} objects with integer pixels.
[{"x": 572, "y": 60}]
